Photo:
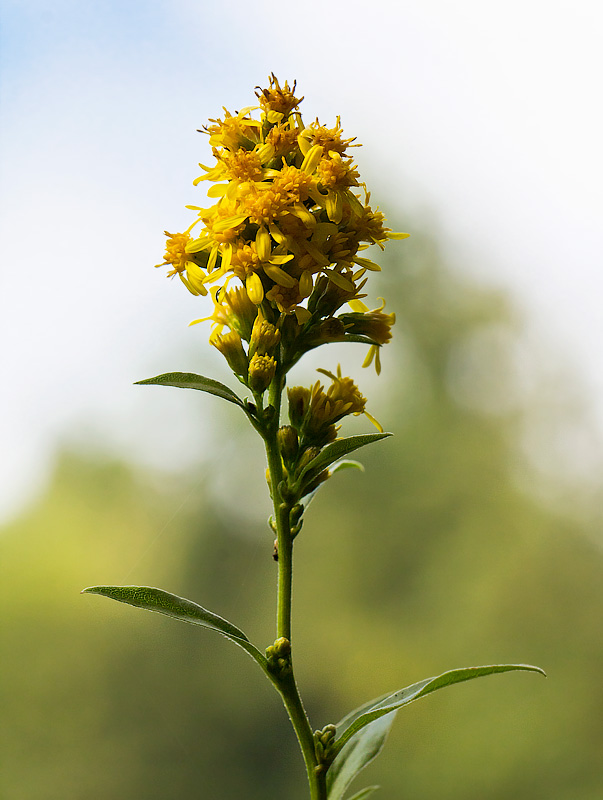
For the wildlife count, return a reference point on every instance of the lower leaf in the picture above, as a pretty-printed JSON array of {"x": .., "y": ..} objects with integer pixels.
[{"x": 152, "y": 599}]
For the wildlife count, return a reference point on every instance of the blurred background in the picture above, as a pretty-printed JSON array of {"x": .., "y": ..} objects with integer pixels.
[{"x": 475, "y": 534}]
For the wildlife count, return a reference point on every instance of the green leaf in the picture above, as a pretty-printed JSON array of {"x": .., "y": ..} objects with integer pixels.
[
  {"x": 364, "y": 793},
  {"x": 346, "y": 463},
  {"x": 339, "y": 448},
  {"x": 356, "y": 755},
  {"x": 159, "y": 600},
  {"x": 188, "y": 380},
  {"x": 393, "y": 702}
]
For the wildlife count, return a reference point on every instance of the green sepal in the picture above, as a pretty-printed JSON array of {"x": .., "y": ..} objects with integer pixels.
[
  {"x": 152, "y": 599},
  {"x": 364, "y": 793},
  {"x": 393, "y": 702},
  {"x": 188, "y": 380},
  {"x": 339, "y": 448}
]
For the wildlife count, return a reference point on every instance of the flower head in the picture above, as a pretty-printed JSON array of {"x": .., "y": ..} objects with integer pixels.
[
  {"x": 290, "y": 222},
  {"x": 314, "y": 412}
]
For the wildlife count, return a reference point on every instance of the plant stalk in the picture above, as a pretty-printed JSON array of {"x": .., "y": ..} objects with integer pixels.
[{"x": 286, "y": 686}]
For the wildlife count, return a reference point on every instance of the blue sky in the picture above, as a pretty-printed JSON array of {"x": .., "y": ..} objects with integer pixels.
[{"x": 483, "y": 115}]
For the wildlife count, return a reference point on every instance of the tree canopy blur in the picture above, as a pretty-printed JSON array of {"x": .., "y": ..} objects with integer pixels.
[{"x": 439, "y": 556}]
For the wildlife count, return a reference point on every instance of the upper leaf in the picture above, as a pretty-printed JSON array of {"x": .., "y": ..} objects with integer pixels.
[
  {"x": 393, "y": 702},
  {"x": 188, "y": 380},
  {"x": 159, "y": 600},
  {"x": 338, "y": 449},
  {"x": 346, "y": 463}
]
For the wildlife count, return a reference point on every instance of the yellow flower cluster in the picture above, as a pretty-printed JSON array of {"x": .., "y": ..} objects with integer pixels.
[
  {"x": 314, "y": 413},
  {"x": 290, "y": 221}
]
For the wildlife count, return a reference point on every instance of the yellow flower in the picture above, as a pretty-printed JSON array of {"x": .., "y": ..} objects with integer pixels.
[
  {"x": 290, "y": 220},
  {"x": 375, "y": 325},
  {"x": 182, "y": 263},
  {"x": 274, "y": 99},
  {"x": 314, "y": 412},
  {"x": 330, "y": 139}
]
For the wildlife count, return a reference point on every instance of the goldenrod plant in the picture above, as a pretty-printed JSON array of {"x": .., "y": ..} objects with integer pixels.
[{"x": 281, "y": 257}]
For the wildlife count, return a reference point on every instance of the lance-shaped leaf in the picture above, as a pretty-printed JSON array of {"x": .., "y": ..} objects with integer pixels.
[
  {"x": 356, "y": 755},
  {"x": 163, "y": 602},
  {"x": 188, "y": 380},
  {"x": 395, "y": 701},
  {"x": 338, "y": 449}
]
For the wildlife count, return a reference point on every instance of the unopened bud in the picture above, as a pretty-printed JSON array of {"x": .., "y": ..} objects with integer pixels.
[
  {"x": 282, "y": 646},
  {"x": 231, "y": 347},
  {"x": 375, "y": 325},
  {"x": 278, "y": 656},
  {"x": 288, "y": 443},
  {"x": 296, "y": 513},
  {"x": 330, "y": 330},
  {"x": 320, "y": 288},
  {"x": 328, "y": 734},
  {"x": 261, "y": 372},
  {"x": 309, "y": 455},
  {"x": 314, "y": 484},
  {"x": 241, "y": 312},
  {"x": 264, "y": 337},
  {"x": 299, "y": 402}
]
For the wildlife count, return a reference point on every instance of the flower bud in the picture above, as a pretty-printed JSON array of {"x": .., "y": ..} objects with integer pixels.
[
  {"x": 320, "y": 287},
  {"x": 261, "y": 372},
  {"x": 309, "y": 455},
  {"x": 240, "y": 311},
  {"x": 278, "y": 656},
  {"x": 296, "y": 513},
  {"x": 375, "y": 325},
  {"x": 314, "y": 484},
  {"x": 231, "y": 347},
  {"x": 288, "y": 443},
  {"x": 299, "y": 402},
  {"x": 282, "y": 646},
  {"x": 264, "y": 337}
]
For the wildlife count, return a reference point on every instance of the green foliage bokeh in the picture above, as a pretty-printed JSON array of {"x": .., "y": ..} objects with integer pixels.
[{"x": 437, "y": 557}]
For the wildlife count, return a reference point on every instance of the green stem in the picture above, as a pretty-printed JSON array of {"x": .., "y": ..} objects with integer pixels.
[{"x": 286, "y": 685}]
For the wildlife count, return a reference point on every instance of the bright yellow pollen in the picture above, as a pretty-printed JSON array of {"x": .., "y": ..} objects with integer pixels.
[
  {"x": 175, "y": 253},
  {"x": 245, "y": 260},
  {"x": 335, "y": 172},
  {"x": 243, "y": 165}
]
